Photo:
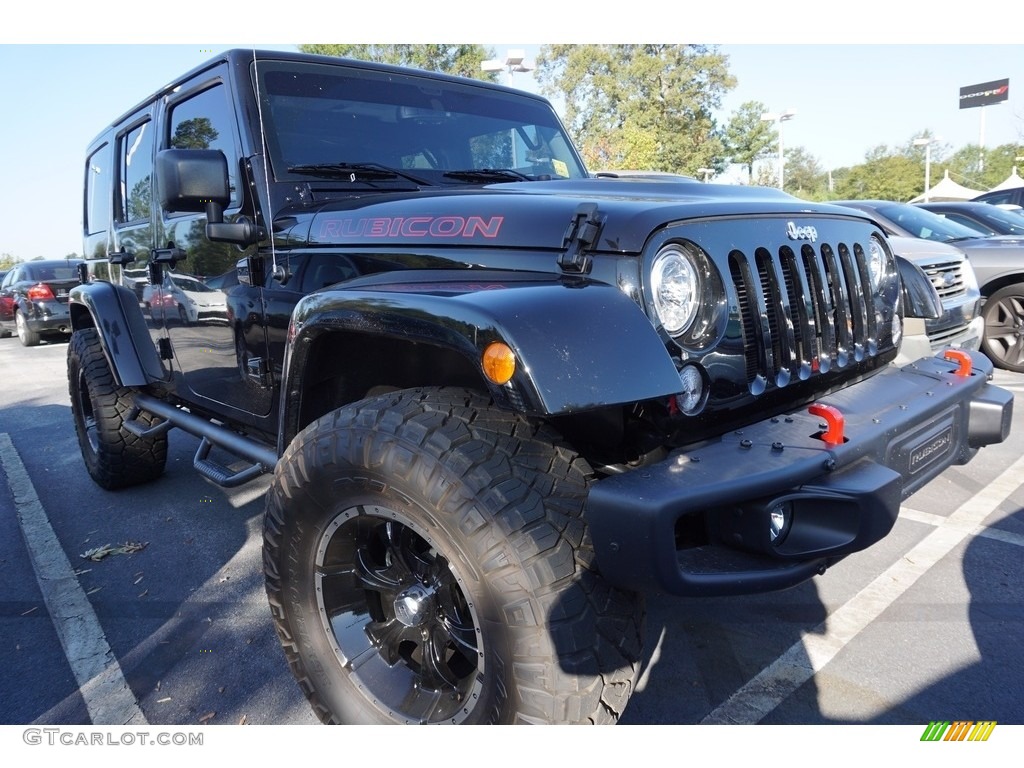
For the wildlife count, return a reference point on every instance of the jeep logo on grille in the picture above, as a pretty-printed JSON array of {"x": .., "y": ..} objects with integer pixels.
[{"x": 801, "y": 233}]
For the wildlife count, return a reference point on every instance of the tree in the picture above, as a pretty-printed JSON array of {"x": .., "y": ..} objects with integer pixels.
[
  {"x": 804, "y": 175},
  {"x": 963, "y": 165},
  {"x": 884, "y": 175},
  {"x": 463, "y": 60},
  {"x": 643, "y": 107},
  {"x": 197, "y": 133},
  {"x": 748, "y": 138}
]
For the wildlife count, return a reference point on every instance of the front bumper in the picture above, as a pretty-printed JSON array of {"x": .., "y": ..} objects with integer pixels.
[{"x": 698, "y": 522}]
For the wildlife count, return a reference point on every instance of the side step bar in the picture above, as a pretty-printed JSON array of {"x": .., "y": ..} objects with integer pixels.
[{"x": 263, "y": 458}]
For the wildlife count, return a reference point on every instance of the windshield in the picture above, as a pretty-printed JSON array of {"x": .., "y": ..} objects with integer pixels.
[
  {"x": 925, "y": 224},
  {"x": 322, "y": 118},
  {"x": 996, "y": 220},
  {"x": 49, "y": 272},
  {"x": 190, "y": 284}
]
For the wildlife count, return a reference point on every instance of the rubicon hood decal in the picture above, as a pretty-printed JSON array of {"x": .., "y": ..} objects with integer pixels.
[{"x": 418, "y": 227}]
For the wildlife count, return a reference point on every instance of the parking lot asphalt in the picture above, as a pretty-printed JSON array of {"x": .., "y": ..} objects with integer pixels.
[{"x": 174, "y": 629}]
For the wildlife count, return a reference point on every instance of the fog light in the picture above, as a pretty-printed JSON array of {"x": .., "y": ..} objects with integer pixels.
[
  {"x": 691, "y": 399},
  {"x": 780, "y": 519}
]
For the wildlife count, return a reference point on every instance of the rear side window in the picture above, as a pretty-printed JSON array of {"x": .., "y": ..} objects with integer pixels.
[
  {"x": 98, "y": 179},
  {"x": 136, "y": 159}
]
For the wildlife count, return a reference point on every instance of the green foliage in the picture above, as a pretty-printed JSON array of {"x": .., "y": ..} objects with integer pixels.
[
  {"x": 804, "y": 175},
  {"x": 748, "y": 138},
  {"x": 197, "y": 133},
  {"x": 897, "y": 173},
  {"x": 463, "y": 60},
  {"x": 963, "y": 167},
  {"x": 644, "y": 107},
  {"x": 882, "y": 176}
]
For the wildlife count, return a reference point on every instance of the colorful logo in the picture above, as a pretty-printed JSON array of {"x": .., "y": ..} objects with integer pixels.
[{"x": 960, "y": 730}]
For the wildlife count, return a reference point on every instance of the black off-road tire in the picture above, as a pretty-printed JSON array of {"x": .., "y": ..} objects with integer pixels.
[
  {"x": 427, "y": 560},
  {"x": 1004, "y": 328},
  {"x": 114, "y": 457}
]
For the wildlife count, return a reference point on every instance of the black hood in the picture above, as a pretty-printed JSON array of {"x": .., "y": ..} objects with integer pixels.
[{"x": 532, "y": 215}]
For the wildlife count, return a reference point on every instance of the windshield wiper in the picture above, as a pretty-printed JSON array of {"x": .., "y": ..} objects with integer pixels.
[
  {"x": 356, "y": 172},
  {"x": 488, "y": 174}
]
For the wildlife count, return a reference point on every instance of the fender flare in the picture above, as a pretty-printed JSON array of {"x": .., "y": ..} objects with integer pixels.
[
  {"x": 579, "y": 344},
  {"x": 114, "y": 312}
]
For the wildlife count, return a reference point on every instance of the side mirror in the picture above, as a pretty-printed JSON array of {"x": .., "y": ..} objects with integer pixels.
[
  {"x": 192, "y": 180},
  {"x": 196, "y": 181}
]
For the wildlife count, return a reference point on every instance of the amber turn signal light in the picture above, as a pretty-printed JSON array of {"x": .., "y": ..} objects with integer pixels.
[{"x": 499, "y": 362}]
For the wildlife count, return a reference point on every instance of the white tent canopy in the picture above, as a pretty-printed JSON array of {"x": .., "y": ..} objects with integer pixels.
[
  {"x": 946, "y": 190},
  {"x": 1012, "y": 182}
]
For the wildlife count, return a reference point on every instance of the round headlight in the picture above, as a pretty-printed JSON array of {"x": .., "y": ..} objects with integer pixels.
[
  {"x": 675, "y": 285},
  {"x": 876, "y": 262}
]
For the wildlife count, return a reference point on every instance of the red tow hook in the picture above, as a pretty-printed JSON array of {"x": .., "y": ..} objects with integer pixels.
[
  {"x": 961, "y": 358},
  {"x": 835, "y": 423}
]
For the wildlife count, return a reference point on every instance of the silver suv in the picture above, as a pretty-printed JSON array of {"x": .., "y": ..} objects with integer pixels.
[{"x": 952, "y": 275}]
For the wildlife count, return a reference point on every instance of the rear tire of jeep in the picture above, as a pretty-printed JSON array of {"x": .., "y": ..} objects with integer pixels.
[
  {"x": 1004, "y": 328},
  {"x": 427, "y": 561},
  {"x": 114, "y": 457}
]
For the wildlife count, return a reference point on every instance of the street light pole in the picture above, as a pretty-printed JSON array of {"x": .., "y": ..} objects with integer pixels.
[
  {"x": 926, "y": 142},
  {"x": 780, "y": 118}
]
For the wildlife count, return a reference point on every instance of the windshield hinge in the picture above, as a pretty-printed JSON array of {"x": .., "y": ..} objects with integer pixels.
[
  {"x": 580, "y": 236},
  {"x": 164, "y": 346},
  {"x": 257, "y": 370}
]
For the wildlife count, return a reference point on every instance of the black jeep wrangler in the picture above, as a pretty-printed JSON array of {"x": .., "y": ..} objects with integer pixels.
[{"x": 500, "y": 399}]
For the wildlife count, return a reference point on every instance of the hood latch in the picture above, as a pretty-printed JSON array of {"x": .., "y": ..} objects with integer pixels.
[{"x": 580, "y": 236}]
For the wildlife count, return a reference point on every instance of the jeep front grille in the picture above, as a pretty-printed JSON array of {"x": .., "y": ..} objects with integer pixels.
[{"x": 802, "y": 312}]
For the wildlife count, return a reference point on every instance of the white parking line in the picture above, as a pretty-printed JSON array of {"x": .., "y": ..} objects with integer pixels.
[
  {"x": 928, "y": 518},
  {"x": 819, "y": 646},
  {"x": 107, "y": 696}
]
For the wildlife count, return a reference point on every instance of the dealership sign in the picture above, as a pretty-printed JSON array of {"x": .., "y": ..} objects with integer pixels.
[{"x": 984, "y": 93}]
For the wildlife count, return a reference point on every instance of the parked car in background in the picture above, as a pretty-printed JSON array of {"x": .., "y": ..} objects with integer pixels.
[
  {"x": 1013, "y": 196},
  {"x": 987, "y": 219},
  {"x": 34, "y": 300},
  {"x": 950, "y": 272},
  {"x": 998, "y": 264},
  {"x": 186, "y": 299},
  {"x": 223, "y": 281},
  {"x": 135, "y": 280}
]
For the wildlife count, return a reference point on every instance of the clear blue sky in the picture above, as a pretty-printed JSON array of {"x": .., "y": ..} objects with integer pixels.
[{"x": 57, "y": 95}]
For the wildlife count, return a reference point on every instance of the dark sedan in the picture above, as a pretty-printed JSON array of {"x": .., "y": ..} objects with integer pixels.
[
  {"x": 34, "y": 300},
  {"x": 987, "y": 219},
  {"x": 998, "y": 264},
  {"x": 1013, "y": 196}
]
